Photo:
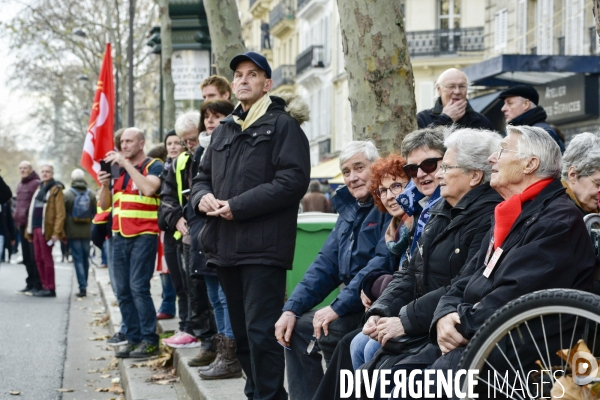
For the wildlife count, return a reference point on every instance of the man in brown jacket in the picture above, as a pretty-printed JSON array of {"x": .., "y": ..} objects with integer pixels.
[
  {"x": 315, "y": 200},
  {"x": 45, "y": 226}
]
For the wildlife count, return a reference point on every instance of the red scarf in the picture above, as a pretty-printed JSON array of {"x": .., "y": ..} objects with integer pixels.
[{"x": 507, "y": 212}]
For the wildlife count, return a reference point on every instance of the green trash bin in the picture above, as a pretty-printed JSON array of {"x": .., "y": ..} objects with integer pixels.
[{"x": 313, "y": 230}]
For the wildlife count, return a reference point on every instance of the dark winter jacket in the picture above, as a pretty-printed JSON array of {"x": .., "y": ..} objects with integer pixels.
[
  {"x": 547, "y": 247},
  {"x": 451, "y": 239},
  {"x": 537, "y": 117},
  {"x": 25, "y": 191},
  {"x": 5, "y": 192},
  {"x": 262, "y": 172},
  {"x": 8, "y": 228},
  {"x": 436, "y": 117},
  {"x": 78, "y": 230},
  {"x": 355, "y": 247}
]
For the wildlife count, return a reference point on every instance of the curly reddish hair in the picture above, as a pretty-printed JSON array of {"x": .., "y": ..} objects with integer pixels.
[{"x": 388, "y": 166}]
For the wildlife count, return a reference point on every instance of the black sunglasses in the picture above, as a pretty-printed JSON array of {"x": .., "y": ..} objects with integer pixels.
[{"x": 428, "y": 166}]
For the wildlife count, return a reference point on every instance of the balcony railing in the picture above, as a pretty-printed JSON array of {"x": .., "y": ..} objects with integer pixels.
[
  {"x": 283, "y": 75},
  {"x": 281, "y": 11},
  {"x": 311, "y": 57},
  {"x": 445, "y": 41}
]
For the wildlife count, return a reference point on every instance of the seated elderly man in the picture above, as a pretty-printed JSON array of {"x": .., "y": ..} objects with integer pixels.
[
  {"x": 581, "y": 171},
  {"x": 355, "y": 247},
  {"x": 537, "y": 241}
]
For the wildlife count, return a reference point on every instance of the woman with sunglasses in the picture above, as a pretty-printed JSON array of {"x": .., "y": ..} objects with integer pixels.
[{"x": 400, "y": 318}]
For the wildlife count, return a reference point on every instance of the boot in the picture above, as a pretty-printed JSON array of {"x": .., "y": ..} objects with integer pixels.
[
  {"x": 228, "y": 365},
  {"x": 205, "y": 356},
  {"x": 217, "y": 346}
]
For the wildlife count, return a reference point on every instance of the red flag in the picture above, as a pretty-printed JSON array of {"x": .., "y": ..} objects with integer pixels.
[{"x": 99, "y": 139}]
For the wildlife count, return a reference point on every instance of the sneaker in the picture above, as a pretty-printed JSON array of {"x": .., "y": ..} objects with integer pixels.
[
  {"x": 118, "y": 339},
  {"x": 24, "y": 290},
  {"x": 31, "y": 292},
  {"x": 170, "y": 338},
  {"x": 126, "y": 350},
  {"x": 183, "y": 340},
  {"x": 162, "y": 315},
  {"x": 144, "y": 350}
]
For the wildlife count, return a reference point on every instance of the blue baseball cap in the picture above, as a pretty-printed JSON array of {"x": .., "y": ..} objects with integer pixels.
[{"x": 258, "y": 59}]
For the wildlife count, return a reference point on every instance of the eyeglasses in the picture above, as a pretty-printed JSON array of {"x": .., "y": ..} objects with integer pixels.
[
  {"x": 502, "y": 149},
  {"x": 452, "y": 88},
  {"x": 445, "y": 167},
  {"x": 190, "y": 140},
  {"x": 593, "y": 180},
  {"x": 428, "y": 166},
  {"x": 395, "y": 189}
]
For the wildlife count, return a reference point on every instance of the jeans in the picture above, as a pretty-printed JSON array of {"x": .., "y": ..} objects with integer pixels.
[
  {"x": 219, "y": 303},
  {"x": 43, "y": 259},
  {"x": 167, "y": 306},
  {"x": 80, "y": 250},
  {"x": 33, "y": 276},
  {"x": 255, "y": 295},
  {"x": 104, "y": 253},
  {"x": 178, "y": 280},
  {"x": 362, "y": 349},
  {"x": 134, "y": 259}
]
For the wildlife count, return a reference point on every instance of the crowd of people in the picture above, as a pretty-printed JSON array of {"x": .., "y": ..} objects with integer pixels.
[{"x": 428, "y": 243}]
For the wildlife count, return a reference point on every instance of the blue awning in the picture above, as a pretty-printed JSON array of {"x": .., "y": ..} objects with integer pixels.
[
  {"x": 483, "y": 103},
  {"x": 512, "y": 69}
]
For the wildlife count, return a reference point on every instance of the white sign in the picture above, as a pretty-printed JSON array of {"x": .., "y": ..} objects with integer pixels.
[{"x": 189, "y": 69}]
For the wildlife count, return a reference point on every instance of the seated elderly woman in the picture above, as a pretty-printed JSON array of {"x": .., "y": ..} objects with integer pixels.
[
  {"x": 581, "y": 171},
  {"x": 452, "y": 237},
  {"x": 536, "y": 236}
]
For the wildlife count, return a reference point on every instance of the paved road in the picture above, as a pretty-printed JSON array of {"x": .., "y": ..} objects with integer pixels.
[{"x": 45, "y": 342}]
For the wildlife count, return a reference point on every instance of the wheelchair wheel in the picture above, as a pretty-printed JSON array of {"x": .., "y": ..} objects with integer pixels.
[{"x": 527, "y": 333}]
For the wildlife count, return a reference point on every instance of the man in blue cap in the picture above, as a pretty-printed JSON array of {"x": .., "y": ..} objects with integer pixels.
[
  {"x": 252, "y": 178},
  {"x": 521, "y": 108}
]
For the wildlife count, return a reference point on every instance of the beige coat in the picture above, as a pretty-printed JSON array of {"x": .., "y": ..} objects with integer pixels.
[{"x": 54, "y": 214}]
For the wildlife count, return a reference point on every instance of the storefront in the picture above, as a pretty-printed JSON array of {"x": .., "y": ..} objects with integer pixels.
[{"x": 567, "y": 85}]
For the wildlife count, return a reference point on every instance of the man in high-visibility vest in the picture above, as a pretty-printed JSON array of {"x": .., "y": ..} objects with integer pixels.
[{"x": 135, "y": 239}]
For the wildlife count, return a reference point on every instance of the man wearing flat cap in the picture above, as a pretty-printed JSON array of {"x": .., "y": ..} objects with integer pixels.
[
  {"x": 520, "y": 108},
  {"x": 251, "y": 180}
]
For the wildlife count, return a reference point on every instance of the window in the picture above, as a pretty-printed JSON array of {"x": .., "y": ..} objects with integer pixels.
[
  {"x": 522, "y": 27},
  {"x": 501, "y": 25},
  {"x": 449, "y": 14},
  {"x": 574, "y": 26},
  {"x": 545, "y": 26},
  {"x": 426, "y": 95}
]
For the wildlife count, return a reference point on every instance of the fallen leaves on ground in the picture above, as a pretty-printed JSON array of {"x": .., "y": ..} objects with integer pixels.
[
  {"x": 164, "y": 378},
  {"x": 97, "y": 358},
  {"x": 101, "y": 337},
  {"x": 105, "y": 376},
  {"x": 62, "y": 390},
  {"x": 15, "y": 393},
  {"x": 116, "y": 389}
]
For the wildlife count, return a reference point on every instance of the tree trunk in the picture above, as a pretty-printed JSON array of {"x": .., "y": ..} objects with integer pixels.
[
  {"x": 166, "y": 46},
  {"x": 380, "y": 76},
  {"x": 225, "y": 33}
]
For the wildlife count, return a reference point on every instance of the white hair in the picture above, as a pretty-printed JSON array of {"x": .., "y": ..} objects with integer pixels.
[
  {"x": 582, "y": 153},
  {"x": 77, "y": 174},
  {"x": 366, "y": 147},
  {"x": 473, "y": 147},
  {"x": 189, "y": 120},
  {"x": 534, "y": 141}
]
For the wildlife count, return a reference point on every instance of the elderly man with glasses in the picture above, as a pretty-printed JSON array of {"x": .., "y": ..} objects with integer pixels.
[
  {"x": 355, "y": 247},
  {"x": 452, "y": 106}
]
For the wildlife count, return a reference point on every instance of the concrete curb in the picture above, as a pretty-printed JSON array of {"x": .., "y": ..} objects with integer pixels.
[{"x": 134, "y": 379}]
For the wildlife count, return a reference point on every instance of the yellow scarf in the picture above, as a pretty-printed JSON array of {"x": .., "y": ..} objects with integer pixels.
[{"x": 257, "y": 110}]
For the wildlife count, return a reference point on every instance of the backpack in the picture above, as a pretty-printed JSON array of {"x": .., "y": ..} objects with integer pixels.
[{"x": 82, "y": 210}]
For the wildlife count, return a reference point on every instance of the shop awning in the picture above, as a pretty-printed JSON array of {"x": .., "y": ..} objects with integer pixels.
[
  {"x": 483, "y": 103},
  {"x": 326, "y": 170},
  {"x": 512, "y": 69}
]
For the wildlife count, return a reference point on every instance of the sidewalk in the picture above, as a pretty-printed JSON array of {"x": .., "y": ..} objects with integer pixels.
[{"x": 134, "y": 379}]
